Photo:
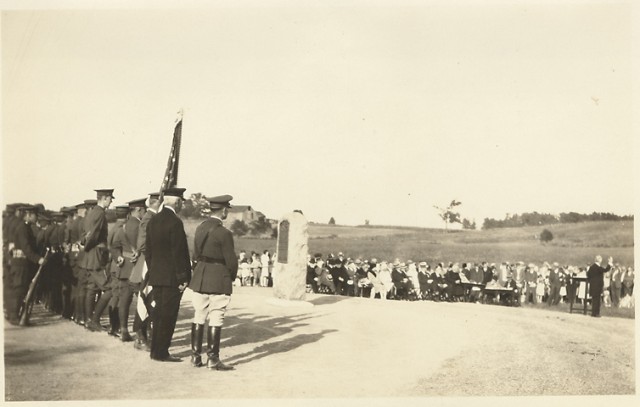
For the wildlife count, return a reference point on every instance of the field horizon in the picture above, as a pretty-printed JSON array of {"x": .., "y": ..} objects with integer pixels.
[{"x": 573, "y": 244}]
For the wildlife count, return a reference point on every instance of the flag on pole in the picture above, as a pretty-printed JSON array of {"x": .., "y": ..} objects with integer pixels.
[{"x": 171, "y": 173}]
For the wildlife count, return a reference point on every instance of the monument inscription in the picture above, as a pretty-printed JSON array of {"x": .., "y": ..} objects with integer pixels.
[{"x": 283, "y": 242}]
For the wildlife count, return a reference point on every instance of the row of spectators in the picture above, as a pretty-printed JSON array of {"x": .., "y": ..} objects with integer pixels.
[{"x": 509, "y": 283}]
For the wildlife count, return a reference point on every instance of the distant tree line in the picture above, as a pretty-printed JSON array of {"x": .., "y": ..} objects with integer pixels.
[{"x": 537, "y": 219}]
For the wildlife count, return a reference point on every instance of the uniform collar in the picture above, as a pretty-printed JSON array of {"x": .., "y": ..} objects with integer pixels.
[{"x": 170, "y": 208}]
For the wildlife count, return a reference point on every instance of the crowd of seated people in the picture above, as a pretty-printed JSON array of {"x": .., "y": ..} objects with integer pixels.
[{"x": 505, "y": 283}]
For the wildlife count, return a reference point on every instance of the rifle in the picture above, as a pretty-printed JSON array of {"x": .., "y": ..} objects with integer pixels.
[{"x": 26, "y": 310}]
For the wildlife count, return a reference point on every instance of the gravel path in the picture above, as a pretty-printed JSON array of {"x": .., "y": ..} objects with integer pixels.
[{"x": 340, "y": 348}]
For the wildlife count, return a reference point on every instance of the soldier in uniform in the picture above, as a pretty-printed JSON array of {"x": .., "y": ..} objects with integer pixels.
[
  {"x": 96, "y": 259},
  {"x": 7, "y": 219},
  {"x": 79, "y": 282},
  {"x": 24, "y": 261},
  {"x": 54, "y": 236},
  {"x": 114, "y": 241},
  {"x": 214, "y": 273},
  {"x": 14, "y": 218},
  {"x": 67, "y": 273},
  {"x": 139, "y": 276},
  {"x": 128, "y": 245},
  {"x": 167, "y": 257}
]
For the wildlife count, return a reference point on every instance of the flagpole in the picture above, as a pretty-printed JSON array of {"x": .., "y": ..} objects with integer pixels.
[{"x": 171, "y": 173}]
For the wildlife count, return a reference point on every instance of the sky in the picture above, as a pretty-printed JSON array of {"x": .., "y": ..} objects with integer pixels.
[{"x": 354, "y": 110}]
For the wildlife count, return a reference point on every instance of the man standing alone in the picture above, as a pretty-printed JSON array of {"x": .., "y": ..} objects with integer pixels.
[
  {"x": 167, "y": 257},
  {"x": 213, "y": 276},
  {"x": 595, "y": 274}
]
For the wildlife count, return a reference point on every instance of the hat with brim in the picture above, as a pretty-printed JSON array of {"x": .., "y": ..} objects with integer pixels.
[
  {"x": 220, "y": 201},
  {"x": 122, "y": 211},
  {"x": 68, "y": 210},
  {"x": 28, "y": 208},
  {"x": 105, "y": 192},
  {"x": 174, "y": 191},
  {"x": 137, "y": 203},
  {"x": 90, "y": 202}
]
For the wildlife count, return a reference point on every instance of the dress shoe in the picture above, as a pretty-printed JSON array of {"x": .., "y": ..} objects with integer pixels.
[
  {"x": 141, "y": 345},
  {"x": 125, "y": 336},
  {"x": 214, "y": 363},
  {"x": 196, "y": 361},
  {"x": 168, "y": 358},
  {"x": 93, "y": 326}
]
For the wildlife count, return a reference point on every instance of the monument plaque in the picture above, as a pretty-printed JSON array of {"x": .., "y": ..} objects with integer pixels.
[
  {"x": 283, "y": 242},
  {"x": 290, "y": 269}
]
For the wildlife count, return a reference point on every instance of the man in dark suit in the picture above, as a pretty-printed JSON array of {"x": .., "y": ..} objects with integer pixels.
[
  {"x": 595, "y": 275},
  {"x": 167, "y": 257},
  {"x": 213, "y": 275}
]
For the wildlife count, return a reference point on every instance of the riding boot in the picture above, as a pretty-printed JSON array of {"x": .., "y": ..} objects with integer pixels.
[
  {"x": 123, "y": 317},
  {"x": 213, "y": 349},
  {"x": 197, "y": 332},
  {"x": 114, "y": 322}
]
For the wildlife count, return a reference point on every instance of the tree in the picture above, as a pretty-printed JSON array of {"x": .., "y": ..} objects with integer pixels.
[
  {"x": 239, "y": 228},
  {"x": 448, "y": 215},
  {"x": 260, "y": 226},
  {"x": 332, "y": 221},
  {"x": 546, "y": 236},
  {"x": 467, "y": 224}
]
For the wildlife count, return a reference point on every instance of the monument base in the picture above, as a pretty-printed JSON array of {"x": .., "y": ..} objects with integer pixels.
[{"x": 279, "y": 302}]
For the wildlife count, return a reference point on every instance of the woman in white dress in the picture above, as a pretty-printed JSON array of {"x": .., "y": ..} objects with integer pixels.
[{"x": 264, "y": 261}]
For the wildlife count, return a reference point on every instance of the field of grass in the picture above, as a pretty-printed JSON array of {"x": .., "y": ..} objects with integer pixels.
[{"x": 575, "y": 244}]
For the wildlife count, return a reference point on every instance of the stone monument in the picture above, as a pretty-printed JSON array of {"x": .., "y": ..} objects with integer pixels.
[{"x": 290, "y": 268}]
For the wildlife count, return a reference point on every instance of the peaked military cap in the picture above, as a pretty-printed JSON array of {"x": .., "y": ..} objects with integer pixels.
[
  {"x": 221, "y": 201},
  {"x": 44, "y": 220},
  {"x": 154, "y": 195},
  {"x": 28, "y": 208},
  {"x": 58, "y": 216},
  {"x": 137, "y": 203},
  {"x": 122, "y": 211},
  {"x": 105, "y": 192},
  {"x": 68, "y": 209},
  {"x": 174, "y": 191},
  {"x": 90, "y": 202}
]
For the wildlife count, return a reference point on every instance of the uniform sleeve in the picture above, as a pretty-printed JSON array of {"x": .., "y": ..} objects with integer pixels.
[
  {"x": 94, "y": 224},
  {"x": 22, "y": 242},
  {"x": 115, "y": 242},
  {"x": 197, "y": 240},
  {"x": 229, "y": 253},
  {"x": 141, "y": 242}
]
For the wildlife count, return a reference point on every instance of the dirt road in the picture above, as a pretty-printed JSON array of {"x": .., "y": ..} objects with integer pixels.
[{"x": 339, "y": 348}]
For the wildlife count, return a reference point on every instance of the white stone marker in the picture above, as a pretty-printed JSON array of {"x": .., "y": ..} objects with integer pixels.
[{"x": 290, "y": 269}]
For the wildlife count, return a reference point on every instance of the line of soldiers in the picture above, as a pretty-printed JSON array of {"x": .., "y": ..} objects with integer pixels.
[{"x": 87, "y": 270}]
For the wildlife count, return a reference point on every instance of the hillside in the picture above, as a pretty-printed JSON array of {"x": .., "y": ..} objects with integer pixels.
[{"x": 572, "y": 244}]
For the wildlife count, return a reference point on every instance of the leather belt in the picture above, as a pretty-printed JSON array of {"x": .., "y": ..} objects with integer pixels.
[
  {"x": 212, "y": 260},
  {"x": 18, "y": 254}
]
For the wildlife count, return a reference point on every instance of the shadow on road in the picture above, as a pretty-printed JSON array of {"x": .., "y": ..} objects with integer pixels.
[
  {"x": 281, "y": 346},
  {"x": 40, "y": 355},
  {"x": 247, "y": 328},
  {"x": 328, "y": 299}
]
